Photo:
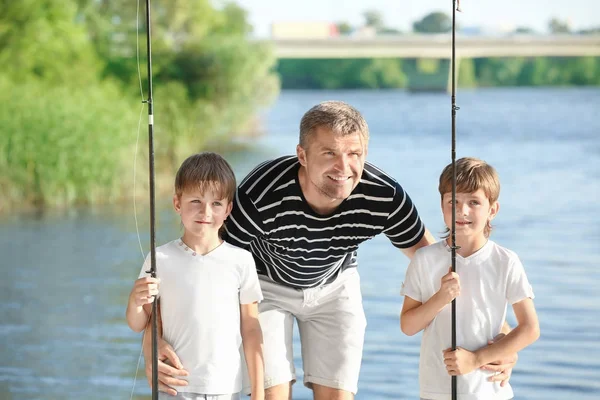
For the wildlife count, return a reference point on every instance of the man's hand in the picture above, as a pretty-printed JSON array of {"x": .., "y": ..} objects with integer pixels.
[
  {"x": 169, "y": 366},
  {"x": 503, "y": 368}
]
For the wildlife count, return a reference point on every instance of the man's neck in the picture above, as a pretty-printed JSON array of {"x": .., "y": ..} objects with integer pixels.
[{"x": 317, "y": 201}]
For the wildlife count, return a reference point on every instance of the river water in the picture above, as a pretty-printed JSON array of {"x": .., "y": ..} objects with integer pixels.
[{"x": 66, "y": 276}]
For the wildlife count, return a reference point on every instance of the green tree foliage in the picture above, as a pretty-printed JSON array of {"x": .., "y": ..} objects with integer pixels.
[
  {"x": 525, "y": 30},
  {"x": 344, "y": 28},
  {"x": 435, "y": 22},
  {"x": 466, "y": 73},
  {"x": 69, "y": 131},
  {"x": 374, "y": 18},
  {"x": 342, "y": 73},
  {"x": 62, "y": 144},
  {"x": 557, "y": 26},
  {"x": 204, "y": 65},
  {"x": 39, "y": 39},
  {"x": 433, "y": 73}
]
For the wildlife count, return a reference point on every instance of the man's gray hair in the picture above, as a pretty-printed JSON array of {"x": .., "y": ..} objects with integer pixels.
[{"x": 340, "y": 117}]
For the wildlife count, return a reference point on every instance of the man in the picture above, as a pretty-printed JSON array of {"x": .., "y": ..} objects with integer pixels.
[{"x": 303, "y": 218}]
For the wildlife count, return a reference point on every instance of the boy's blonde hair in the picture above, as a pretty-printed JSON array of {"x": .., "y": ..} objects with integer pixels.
[
  {"x": 206, "y": 171},
  {"x": 472, "y": 174}
]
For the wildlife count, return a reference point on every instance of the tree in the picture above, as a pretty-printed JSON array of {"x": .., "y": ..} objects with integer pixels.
[
  {"x": 524, "y": 30},
  {"x": 374, "y": 19},
  {"x": 589, "y": 31},
  {"x": 557, "y": 26},
  {"x": 38, "y": 38},
  {"x": 435, "y": 22},
  {"x": 344, "y": 28}
]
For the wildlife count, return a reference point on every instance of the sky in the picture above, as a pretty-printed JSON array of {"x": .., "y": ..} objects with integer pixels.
[{"x": 401, "y": 14}]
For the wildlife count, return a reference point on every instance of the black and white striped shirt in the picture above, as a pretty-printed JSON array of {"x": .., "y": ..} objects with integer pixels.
[{"x": 295, "y": 246}]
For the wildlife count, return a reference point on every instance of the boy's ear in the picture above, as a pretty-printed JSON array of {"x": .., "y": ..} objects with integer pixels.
[
  {"x": 494, "y": 208},
  {"x": 177, "y": 204},
  {"x": 229, "y": 208}
]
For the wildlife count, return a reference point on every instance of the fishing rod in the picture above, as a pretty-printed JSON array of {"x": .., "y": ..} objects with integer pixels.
[
  {"x": 455, "y": 7},
  {"x": 152, "y": 270}
]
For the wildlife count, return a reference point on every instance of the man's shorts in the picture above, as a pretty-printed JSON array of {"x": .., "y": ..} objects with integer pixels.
[
  {"x": 331, "y": 322},
  {"x": 197, "y": 396}
]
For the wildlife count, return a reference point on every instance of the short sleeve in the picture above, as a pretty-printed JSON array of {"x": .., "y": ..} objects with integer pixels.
[
  {"x": 517, "y": 287},
  {"x": 411, "y": 286},
  {"x": 250, "y": 291},
  {"x": 403, "y": 227}
]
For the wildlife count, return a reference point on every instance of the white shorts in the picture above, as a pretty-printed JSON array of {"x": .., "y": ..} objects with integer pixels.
[
  {"x": 332, "y": 324},
  {"x": 197, "y": 396}
]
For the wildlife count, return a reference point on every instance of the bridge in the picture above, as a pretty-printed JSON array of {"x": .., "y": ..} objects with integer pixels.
[{"x": 438, "y": 46}]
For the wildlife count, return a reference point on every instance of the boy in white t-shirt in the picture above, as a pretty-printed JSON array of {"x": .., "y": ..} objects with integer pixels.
[
  {"x": 209, "y": 289},
  {"x": 490, "y": 278}
]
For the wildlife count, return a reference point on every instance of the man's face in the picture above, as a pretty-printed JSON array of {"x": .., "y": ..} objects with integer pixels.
[{"x": 333, "y": 166}]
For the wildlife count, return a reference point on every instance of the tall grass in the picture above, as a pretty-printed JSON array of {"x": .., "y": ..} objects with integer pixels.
[{"x": 63, "y": 145}]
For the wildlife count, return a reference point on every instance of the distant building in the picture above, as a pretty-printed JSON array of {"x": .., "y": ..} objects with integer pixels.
[{"x": 303, "y": 30}]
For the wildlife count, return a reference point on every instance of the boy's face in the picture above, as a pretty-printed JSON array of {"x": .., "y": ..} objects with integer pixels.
[
  {"x": 202, "y": 213},
  {"x": 473, "y": 211}
]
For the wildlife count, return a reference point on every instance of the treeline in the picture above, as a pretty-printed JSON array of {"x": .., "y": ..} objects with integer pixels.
[
  {"x": 71, "y": 97},
  {"x": 395, "y": 73},
  {"x": 441, "y": 22}
]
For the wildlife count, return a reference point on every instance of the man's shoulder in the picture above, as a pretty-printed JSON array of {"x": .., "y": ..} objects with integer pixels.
[{"x": 374, "y": 178}]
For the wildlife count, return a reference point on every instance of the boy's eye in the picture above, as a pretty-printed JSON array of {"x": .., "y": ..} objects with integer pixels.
[{"x": 217, "y": 203}]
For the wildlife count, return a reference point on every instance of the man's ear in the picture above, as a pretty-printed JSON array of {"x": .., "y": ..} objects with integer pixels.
[{"x": 301, "y": 153}]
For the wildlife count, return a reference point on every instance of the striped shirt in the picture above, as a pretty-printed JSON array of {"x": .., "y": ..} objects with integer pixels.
[{"x": 295, "y": 246}]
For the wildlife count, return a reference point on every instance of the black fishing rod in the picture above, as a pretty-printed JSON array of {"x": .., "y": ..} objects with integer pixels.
[
  {"x": 152, "y": 270},
  {"x": 455, "y": 7}
]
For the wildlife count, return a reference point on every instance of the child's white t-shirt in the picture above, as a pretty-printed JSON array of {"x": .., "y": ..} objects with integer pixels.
[
  {"x": 200, "y": 299},
  {"x": 490, "y": 279}
]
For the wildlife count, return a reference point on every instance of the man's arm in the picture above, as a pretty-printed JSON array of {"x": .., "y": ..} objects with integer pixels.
[
  {"x": 244, "y": 223},
  {"x": 252, "y": 340},
  {"x": 426, "y": 240},
  {"x": 166, "y": 372},
  {"x": 462, "y": 361},
  {"x": 526, "y": 332}
]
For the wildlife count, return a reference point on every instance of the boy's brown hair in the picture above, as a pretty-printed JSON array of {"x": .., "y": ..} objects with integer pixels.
[
  {"x": 206, "y": 171},
  {"x": 472, "y": 174}
]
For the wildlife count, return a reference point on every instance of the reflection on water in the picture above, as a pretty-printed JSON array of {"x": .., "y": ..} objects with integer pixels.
[{"x": 66, "y": 277}]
